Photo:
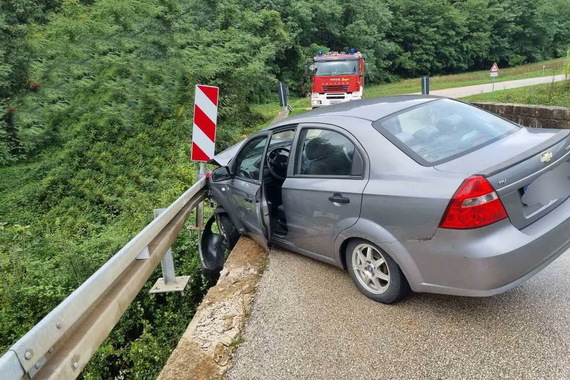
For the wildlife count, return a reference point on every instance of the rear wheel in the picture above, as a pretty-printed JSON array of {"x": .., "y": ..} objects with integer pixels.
[{"x": 375, "y": 273}]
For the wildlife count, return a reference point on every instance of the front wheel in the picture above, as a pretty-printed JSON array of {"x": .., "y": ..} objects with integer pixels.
[
  {"x": 217, "y": 240},
  {"x": 374, "y": 273}
]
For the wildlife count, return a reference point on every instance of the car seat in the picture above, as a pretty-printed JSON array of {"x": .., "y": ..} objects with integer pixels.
[{"x": 325, "y": 158}]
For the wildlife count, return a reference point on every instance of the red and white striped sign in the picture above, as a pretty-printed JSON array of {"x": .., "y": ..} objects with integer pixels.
[{"x": 205, "y": 120}]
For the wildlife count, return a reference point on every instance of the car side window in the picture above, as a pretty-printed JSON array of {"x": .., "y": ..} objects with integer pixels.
[
  {"x": 249, "y": 160},
  {"x": 283, "y": 138},
  {"x": 324, "y": 152}
]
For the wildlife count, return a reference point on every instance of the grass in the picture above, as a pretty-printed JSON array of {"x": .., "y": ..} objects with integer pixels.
[
  {"x": 533, "y": 70},
  {"x": 236, "y": 341},
  {"x": 270, "y": 110},
  {"x": 553, "y": 94}
]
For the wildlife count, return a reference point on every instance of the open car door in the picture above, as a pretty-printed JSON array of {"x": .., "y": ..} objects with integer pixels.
[
  {"x": 247, "y": 195},
  {"x": 263, "y": 215}
]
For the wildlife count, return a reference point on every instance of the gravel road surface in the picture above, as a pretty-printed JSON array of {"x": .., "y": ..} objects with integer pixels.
[{"x": 310, "y": 322}]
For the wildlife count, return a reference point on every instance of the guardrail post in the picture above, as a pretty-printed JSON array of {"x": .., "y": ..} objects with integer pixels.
[
  {"x": 167, "y": 264},
  {"x": 168, "y": 282},
  {"x": 425, "y": 85}
]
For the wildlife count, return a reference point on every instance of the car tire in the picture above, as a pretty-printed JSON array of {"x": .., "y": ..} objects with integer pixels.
[
  {"x": 215, "y": 246},
  {"x": 230, "y": 233},
  {"x": 375, "y": 273}
]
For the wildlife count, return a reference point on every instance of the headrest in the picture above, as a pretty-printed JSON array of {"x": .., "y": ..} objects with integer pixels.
[
  {"x": 446, "y": 125},
  {"x": 318, "y": 147},
  {"x": 425, "y": 134}
]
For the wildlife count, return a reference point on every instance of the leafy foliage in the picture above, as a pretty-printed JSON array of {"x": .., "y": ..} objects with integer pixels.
[
  {"x": 109, "y": 145},
  {"x": 436, "y": 37}
]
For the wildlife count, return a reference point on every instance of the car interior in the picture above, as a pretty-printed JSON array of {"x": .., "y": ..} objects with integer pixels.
[
  {"x": 324, "y": 152},
  {"x": 442, "y": 129},
  {"x": 274, "y": 174}
]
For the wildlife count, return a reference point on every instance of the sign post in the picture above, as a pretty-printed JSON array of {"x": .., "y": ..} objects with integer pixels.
[
  {"x": 204, "y": 134},
  {"x": 283, "y": 95},
  {"x": 494, "y": 73}
]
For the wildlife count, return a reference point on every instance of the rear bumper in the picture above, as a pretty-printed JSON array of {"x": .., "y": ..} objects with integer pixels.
[{"x": 489, "y": 260}]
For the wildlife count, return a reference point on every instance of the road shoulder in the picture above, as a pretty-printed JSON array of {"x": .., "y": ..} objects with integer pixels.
[{"x": 205, "y": 349}]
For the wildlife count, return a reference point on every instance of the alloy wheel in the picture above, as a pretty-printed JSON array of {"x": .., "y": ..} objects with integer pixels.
[{"x": 371, "y": 268}]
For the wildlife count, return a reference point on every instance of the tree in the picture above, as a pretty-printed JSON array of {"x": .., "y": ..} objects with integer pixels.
[{"x": 430, "y": 37}]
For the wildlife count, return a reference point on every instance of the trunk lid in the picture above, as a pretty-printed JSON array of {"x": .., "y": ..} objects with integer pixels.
[{"x": 529, "y": 169}]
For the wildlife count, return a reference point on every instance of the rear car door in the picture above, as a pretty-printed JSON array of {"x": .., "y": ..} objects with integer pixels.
[
  {"x": 322, "y": 194},
  {"x": 247, "y": 198}
]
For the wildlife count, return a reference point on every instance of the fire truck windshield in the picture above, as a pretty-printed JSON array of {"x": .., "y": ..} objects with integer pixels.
[{"x": 330, "y": 68}]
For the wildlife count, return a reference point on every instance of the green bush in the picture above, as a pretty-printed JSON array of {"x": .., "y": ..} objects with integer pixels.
[{"x": 103, "y": 140}]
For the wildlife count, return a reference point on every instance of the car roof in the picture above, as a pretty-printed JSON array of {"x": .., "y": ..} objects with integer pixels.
[{"x": 371, "y": 109}]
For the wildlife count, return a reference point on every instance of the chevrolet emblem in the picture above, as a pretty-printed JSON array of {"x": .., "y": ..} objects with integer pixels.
[{"x": 546, "y": 156}]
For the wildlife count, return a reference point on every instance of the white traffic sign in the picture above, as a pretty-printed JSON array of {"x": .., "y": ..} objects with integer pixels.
[
  {"x": 494, "y": 70},
  {"x": 205, "y": 120}
]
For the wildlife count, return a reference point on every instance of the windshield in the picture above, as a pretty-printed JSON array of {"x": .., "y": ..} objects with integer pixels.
[
  {"x": 441, "y": 130},
  {"x": 329, "y": 68}
]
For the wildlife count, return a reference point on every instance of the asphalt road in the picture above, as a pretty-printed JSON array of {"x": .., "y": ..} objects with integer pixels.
[
  {"x": 310, "y": 322},
  {"x": 460, "y": 92}
]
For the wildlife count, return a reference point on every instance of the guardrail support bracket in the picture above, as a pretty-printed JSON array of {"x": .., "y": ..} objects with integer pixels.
[
  {"x": 144, "y": 255},
  {"x": 166, "y": 287},
  {"x": 169, "y": 282}
]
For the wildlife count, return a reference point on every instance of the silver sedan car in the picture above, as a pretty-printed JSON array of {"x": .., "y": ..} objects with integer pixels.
[{"x": 407, "y": 193}]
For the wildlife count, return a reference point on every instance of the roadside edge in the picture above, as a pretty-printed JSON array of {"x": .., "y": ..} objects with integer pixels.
[{"x": 206, "y": 348}]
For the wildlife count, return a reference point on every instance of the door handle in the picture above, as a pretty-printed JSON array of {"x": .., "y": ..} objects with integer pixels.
[
  {"x": 338, "y": 198},
  {"x": 248, "y": 200}
]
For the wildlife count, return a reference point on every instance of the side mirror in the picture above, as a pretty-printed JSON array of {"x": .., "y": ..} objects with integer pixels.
[
  {"x": 221, "y": 174},
  {"x": 365, "y": 67}
]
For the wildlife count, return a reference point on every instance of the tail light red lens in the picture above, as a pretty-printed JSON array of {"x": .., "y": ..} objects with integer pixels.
[{"x": 475, "y": 204}]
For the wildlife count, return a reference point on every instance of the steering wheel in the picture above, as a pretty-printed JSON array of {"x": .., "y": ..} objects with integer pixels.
[{"x": 277, "y": 160}]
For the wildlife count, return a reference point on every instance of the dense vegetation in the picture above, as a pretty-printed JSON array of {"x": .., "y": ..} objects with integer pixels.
[
  {"x": 156, "y": 50},
  {"x": 95, "y": 117}
]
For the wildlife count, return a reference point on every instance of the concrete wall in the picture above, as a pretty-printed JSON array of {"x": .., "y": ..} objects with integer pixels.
[
  {"x": 205, "y": 350},
  {"x": 529, "y": 115}
]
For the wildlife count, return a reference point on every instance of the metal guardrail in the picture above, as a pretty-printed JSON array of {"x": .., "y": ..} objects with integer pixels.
[{"x": 62, "y": 343}]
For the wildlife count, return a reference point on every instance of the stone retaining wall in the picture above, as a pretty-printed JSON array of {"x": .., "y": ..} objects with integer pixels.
[
  {"x": 530, "y": 115},
  {"x": 205, "y": 350}
]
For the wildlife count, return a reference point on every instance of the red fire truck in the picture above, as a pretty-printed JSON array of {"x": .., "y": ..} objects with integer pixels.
[{"x": 337, "y": 78}]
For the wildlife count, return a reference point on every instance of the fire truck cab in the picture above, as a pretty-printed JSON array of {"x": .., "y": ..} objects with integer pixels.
[{"x": 337, "y": 78}]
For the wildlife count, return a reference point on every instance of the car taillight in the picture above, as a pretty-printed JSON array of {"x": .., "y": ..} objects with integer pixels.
[{"x": 475, "y": 204}]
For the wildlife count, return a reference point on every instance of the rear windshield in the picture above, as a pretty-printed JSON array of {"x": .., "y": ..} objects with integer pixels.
[{"x": 442, "y": 130}]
